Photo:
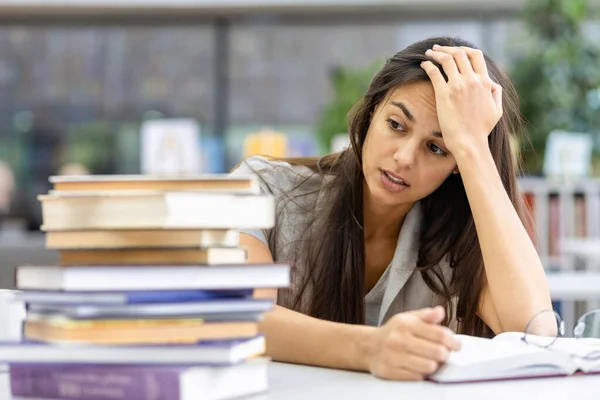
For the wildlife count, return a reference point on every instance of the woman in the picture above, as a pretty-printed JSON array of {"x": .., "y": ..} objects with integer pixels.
[{"x": 412, "y": 233}]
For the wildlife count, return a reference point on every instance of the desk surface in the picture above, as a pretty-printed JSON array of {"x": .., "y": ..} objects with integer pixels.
[
  {"x": 293, "y": 382},
  {"x": 571, "y": 285}
]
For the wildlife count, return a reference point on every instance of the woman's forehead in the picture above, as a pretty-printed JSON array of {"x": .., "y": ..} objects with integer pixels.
[{"x": 418, "y": 97}]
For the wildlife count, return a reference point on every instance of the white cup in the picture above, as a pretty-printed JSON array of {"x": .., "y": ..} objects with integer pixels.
[{"x": 12, "y": 315}]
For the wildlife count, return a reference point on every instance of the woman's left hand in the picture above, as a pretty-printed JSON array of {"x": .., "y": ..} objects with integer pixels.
[{"x": 469, "y": 105}]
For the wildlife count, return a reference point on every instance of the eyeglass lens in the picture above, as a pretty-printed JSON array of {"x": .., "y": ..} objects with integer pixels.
[
  {"x": 588, "y": 325},
  {"x": 544, "y": 328}
]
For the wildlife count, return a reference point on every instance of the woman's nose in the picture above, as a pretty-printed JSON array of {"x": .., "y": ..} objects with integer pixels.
[{"x": 405, "y": 154}]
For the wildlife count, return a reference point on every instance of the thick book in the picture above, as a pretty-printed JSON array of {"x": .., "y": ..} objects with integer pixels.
[
  {"x": 148, "y": 238},
  {"x": 156, "y": 210},
  {"x": 56, "y": 329},
  {"x": 133, "y": 297},
  {"x": 209, "y": 182},
  {"x": 208, "y": 256},
  {"x": 97, "y": 382},
  {"x": 156, "y": 277},
  {"x": 156, "y": 310},
  {"x": 217, "y": 352},
  {"x": 507, "y": 356}
]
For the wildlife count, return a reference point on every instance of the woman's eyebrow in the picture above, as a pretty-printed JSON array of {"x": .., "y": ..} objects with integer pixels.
[
  {"x": 404, "y": 109},
  {"x": 411, "y": 117}
]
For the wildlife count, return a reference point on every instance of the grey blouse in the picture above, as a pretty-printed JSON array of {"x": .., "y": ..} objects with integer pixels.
[{"x": 400, "y": 288}]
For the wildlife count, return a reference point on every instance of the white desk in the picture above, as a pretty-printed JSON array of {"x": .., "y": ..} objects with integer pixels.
[
  {"x": 571, "y": 286},
  {"x": 586, "y": 247},
  {"x": 292, "y": 382},
  {"x": 574, "y": 285}
]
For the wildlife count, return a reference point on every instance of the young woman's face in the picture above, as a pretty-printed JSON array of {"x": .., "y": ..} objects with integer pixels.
[{"x": 404, "y": 157}]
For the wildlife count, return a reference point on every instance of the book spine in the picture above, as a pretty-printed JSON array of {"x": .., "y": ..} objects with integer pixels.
[{"x": 94, "y": 383}]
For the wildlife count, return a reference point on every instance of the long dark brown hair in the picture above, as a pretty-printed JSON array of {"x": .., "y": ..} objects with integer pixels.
[{"x": 332, "y": 246}]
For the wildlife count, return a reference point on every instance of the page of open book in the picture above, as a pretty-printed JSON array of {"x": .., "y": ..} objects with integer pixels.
[
  {"x": 585, "y": 350},
  {"x": 484, "y": 359},
  {"x": 478, "y": 350}
]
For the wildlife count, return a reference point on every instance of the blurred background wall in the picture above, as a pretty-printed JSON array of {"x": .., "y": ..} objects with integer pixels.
[{"x": 78, "y": 78}]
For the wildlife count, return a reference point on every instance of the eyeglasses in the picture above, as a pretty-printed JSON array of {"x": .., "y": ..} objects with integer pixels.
[{"x": 587, "y": 327}]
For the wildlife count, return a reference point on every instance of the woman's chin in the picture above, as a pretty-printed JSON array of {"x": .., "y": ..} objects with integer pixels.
[
  {"x": 382, "y": 196},
  {"x": 389, "y": 199}
]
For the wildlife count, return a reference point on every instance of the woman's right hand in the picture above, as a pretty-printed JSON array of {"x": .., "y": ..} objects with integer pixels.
[{"x": 410, "y": 345}]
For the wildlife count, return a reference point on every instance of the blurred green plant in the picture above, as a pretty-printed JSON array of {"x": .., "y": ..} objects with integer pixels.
[
  {"x": 558, "y": 76},
  {"x": 349, "y": 85},
  {"x": 91, "y": 144}
]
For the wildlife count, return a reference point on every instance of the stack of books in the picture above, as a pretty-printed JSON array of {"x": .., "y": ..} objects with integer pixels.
[{"x": 152, "y": 297}]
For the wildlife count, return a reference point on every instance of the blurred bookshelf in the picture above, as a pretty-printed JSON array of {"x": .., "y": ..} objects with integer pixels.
[{"x": 78, "y": 78}]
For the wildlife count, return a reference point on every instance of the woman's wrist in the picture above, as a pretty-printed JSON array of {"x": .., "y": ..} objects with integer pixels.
[
  {"x": 360, "y": 346},
  {"x": 471, "y": 153}
]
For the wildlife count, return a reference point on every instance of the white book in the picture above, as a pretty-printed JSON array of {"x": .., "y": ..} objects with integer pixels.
[
  {"x": 507, "y": 356},
  {"x": 166, "y": 277},
  {"x": 211, "y": 352},
  {"x": 157, "y": 210}
]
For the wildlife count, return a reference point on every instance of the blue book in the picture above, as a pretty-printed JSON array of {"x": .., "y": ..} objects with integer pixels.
[
  {"x": 197, "y": 309},
  {"x": 133, "y": 297}
]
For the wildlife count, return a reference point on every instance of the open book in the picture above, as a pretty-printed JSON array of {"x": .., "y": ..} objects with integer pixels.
[{"x": 506, "y": 356}]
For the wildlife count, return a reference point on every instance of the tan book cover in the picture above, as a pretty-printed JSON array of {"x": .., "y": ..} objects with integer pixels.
[
  {"x": 96, "y": 183},
  {"x": 136, "y": 331},
  {"x": 148, "y": 238},
  {"x": 160, "y": 256}
]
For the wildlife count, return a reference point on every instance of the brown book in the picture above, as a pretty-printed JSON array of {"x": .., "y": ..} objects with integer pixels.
[
  {"x": 580, "y": 217},
  {"x": 166, "y": 331},
  {"x": 554, "y": 226},
  {"x": 195, "y": 256},
  {"x": 116, "y": 239},
  {"x": 215, "y": 182}
]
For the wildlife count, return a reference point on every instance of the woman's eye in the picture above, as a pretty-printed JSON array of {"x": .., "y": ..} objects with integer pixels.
[
  {"x": 395, "y": 125},
  {"x": 435, "y": 149}
]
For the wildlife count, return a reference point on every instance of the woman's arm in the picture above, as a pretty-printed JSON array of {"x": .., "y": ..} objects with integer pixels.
[
  {"x": 408, "y": 347},
  {"x": 295, "y": 337},
  {"x": 469, "y": 105},
  {"x": 516, "y": 287}
]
